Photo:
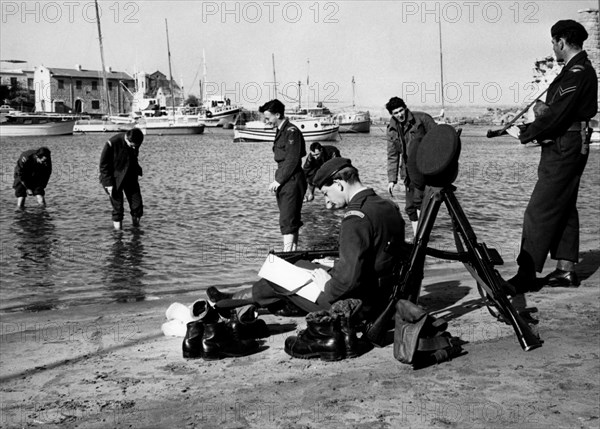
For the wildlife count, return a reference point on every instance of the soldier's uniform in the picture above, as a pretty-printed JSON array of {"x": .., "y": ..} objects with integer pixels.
[
  {"x": 551, "y": 222},
  {"x": 119, "y": 168},
  {"x": 288, "y": 150},
  {"x": 371, "y": 234},
  {"x": 401, "y": 157},
  {"x": 30, "y": 174}
]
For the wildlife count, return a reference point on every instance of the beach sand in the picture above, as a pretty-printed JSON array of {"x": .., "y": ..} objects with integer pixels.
[{"x": 110, "y": 366}]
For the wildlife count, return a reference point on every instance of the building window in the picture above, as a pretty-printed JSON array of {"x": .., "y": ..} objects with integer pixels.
[
  {"x": 78, "y": 84},
  {"x": 29, "y": 83},
  {"x": 13, "y": 81},
  {"x": 61, "y": 84},
  {"x": 94, "y": 85},
  {"x": 110, "y": 86},
  {"x": 95, "y": 104}
]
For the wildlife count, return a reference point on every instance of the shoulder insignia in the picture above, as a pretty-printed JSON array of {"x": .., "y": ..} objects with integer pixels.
[
  {"x": 292, "y": 129},
  {"x": 354, "y": 213},
  {"x": 562, "y": 91},
  {"x": 576, "y": 68},
  {"x": 24, "y": 159},
  {"x": 109, "y": 143}
]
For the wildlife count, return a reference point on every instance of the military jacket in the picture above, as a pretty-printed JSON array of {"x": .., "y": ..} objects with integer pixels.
[
  {"x": 370, "y": 223},
  {"x": 118, "y": 161},
  {"x": 402, "y": 146},
  {"x": 288, "y": 149},
  {"x": 30, "y": 172},
  {"x": 572, "y": 97}
]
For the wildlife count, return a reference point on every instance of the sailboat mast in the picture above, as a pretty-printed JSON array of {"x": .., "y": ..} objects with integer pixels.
[
  {"x": 441, "y": 64},
  {"x": 104, "y": 80},
  {"x": 353, "y": 92},
  {"x": 307, "y": 83},
  {"x": 170, "y": 72},
  {"x": 274, "y": 77}
]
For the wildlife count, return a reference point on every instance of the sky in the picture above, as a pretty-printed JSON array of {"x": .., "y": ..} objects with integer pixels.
[{"x": 390, "y": 48}]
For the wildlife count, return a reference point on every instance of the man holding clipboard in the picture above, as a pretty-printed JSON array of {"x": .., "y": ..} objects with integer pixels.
[{"x": 371, "y": 235}]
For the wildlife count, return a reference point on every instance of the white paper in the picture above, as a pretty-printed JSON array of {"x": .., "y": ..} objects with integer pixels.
[{"x": 290, "y": 276}]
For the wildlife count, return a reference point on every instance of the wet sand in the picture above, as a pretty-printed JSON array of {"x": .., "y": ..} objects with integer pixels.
[{"x": 108, "y": 366}]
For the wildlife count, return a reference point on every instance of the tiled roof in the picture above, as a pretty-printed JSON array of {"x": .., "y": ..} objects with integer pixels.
[{"x": 89, "y": 73}]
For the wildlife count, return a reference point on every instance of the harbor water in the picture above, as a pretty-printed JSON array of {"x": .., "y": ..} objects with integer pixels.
[{"x": 209, "y": 218}]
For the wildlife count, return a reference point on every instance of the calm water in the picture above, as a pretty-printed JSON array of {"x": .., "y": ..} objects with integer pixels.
[{"x": 209, "y": 219}]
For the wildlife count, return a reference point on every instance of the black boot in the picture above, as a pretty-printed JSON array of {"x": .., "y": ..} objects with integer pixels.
[
  {"x": 346, "y": 312},
  {"x": 215, "y": 295},
  {"x": 244, "y": 325},
  {"x": 322, "y": 338},
  {"x": 218, "y": 342},
  {"x": 192, "y": 343}
]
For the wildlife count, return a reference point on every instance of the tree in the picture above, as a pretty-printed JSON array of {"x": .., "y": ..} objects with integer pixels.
[{"x": 192, "y": 101}]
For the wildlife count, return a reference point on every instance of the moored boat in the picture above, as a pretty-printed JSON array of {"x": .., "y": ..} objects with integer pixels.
[
  {"x": 101, "y": 126},
  {"x": 312, "y": 130},
  {"x": 32, "y": 125},
  {"x": 353, "y": 121},
  {"x": 167, "y": 126}
]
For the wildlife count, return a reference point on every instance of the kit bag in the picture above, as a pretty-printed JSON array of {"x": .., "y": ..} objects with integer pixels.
[{"x": 421, "y": 340}]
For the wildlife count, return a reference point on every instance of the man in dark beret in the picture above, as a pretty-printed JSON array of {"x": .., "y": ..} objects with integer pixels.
[
  {"x": 405, "y": 131},
  {"x": 370, "y": 242},
  {"x": 119, "y": 172},
  {"x": 561, "y": 127},
  {"x": 32, "y": 174},
  {"x": 289, "y": 185}
]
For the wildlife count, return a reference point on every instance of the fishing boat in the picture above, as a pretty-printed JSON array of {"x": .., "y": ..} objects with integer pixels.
[
  {"x": 353, "y": 121},
  {"x": 165, "y": 125},
  {"x": 312, "y": 129},
  {"x": 85, "y": 126},
  {"x": 35, "y": 125}
]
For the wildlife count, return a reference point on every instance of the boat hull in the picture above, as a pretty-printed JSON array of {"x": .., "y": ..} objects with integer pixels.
[
  {"x": 356, "y": 127},
  {"x": 61, "y": 128},
  {"x": 167, "y": 130},
  {"x": 91, "y": 126},
  {"x": 248, "y": 134},
  {"x": 220, "y": 119}
]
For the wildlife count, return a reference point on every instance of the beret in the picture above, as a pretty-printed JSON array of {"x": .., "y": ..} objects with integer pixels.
[
  {"x": 329, "y": 169},
  {"x": 568, "y": 25},
  {"x": 437, "y": 155}
]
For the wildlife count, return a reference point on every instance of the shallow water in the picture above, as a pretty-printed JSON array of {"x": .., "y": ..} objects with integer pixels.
[{"x": 209, "y": 218}]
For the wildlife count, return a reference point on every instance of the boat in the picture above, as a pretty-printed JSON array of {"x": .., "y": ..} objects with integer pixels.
[
  {"x": 165, "y": 125},
  {"x": 353, "y": 121},
  {"x": 89, "y": 125},
  {"x": 313, "y": 130},
  {"x": 35, "y": 124},
  {"x": 218, "y": 111}
]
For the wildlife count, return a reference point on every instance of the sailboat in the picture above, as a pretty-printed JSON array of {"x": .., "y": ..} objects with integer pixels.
[
  {"x": 88, "y": 125},
  {"x": 353, "y": 121},
  {"x": 172, "y": 123}
]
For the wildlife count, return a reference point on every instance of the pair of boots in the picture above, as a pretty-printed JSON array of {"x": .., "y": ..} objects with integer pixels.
[
  {"x": 211, "y": 338},
  {"x": 329, "y": 335}
]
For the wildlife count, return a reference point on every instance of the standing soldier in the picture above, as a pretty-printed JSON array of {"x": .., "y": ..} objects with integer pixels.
[
  {"x": 32, "y": 174},
  {"x": 561, "y": 126},
  {"x": 289, "y": 185},
  {"x": 119, "y": 171},
  {"x": 405, "y": 131}
]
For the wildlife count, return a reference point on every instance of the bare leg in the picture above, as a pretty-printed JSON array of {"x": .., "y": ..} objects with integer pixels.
[
  {"x": 21, "y": 202},
  {"x": 563, "y": 265},
  {"x": 41, "y": 200},
  {"x": 290, "y": 242},
  {"x": 118, "y": 225}
]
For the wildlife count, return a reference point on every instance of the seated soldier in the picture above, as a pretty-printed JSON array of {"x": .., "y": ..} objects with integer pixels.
[{"x": 371, "y": 235}]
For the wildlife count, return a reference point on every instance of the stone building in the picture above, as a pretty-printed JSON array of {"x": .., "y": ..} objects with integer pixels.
[{"x": 81, "y": 91}]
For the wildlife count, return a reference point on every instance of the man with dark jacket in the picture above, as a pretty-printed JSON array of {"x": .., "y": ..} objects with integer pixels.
[
  {"x": 119, "y": 171},
  {"x": 561, "y": 126},
  {"x": 289, "y": 185},
  {"x": 32, "y": 174},
  {"x": 405, "y": 131},
  {"x": 317, "y": 156},
  {"x": 370, "y": 247}
]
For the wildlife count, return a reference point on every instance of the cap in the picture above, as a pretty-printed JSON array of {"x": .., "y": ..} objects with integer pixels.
[
  {"x": 568, "y": 25},
  {"x": 330, "y": 169}
]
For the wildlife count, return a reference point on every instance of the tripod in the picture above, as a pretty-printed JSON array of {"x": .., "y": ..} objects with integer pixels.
[{"x": 477, "y": 258}]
